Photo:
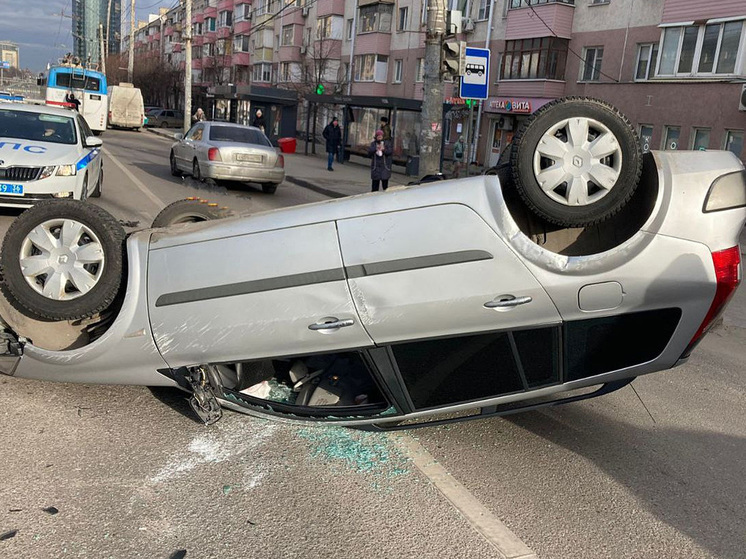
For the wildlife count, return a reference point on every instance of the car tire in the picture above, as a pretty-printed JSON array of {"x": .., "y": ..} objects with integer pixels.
[
  {"x": 196, "y": 171},
  {"x": 174, "y": 169},
  {"x": 189, "y": 211},
  {"x": 269, "y": 188},
  {"x": 99, "y": 185},
  {"x": 84, "y": 190},
  {"x": 576, "y": 161},
  {"x": 164, "y": 124},
  {"x": 39, "y": 283}
]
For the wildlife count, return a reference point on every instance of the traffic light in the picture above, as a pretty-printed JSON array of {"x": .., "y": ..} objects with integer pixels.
[
  {"x": 453, "y": 56},
  {"x": 320, "y": 89}
]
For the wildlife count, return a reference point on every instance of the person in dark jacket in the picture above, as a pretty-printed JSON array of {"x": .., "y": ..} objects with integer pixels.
[
  {"x": 73, "y": 101},
  {"x": 259, "y": 120},
  {"x": 380, "y": 151},
  {"x": 333, "y": 136}
]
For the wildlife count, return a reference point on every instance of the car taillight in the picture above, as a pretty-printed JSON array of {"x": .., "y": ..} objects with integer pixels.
[
  {"x": 280, "y": 161},
  {"x": 213, "y": 154},
  {"x": 728, "y": 272}
]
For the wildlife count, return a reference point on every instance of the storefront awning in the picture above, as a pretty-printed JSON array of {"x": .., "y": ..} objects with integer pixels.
[
  {"x": 255, "y": 93},
  {"x": 367, "y": 101}
]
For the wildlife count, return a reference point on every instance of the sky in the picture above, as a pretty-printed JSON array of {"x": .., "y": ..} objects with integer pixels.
[{"x": 43, "y": 35}]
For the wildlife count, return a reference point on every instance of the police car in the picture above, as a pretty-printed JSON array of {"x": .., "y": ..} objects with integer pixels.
[{"x": 47, "y": 153}]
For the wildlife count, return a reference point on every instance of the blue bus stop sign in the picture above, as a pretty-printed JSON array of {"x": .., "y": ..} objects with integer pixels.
[{"x": 474, "y": 82}]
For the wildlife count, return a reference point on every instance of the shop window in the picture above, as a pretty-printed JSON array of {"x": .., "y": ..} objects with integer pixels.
[
  {"x": 734, "y": 142},
  {"x": 701, "y": 139},
  {"x": 671, "y": 137}
]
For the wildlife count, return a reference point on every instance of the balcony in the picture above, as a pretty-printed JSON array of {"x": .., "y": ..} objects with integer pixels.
[
  {"x": 198, "y": 41},
  {"x": 290, "y": 54},
  {"x": 210, "y": 37},
  {"x": 241, "y": 59},
  {"x": 198, "y": 18},
  {"x": 224, "y": 5},
  {"x": 373, "y": 43},
  {"x": 242, "y": 27},
  {"x": 330, "y": 7},
  {"x": 262, "y": 55},
  {"x": 196, "y": 64},
  {"x": 239, "y": 2},
  {"x": 224, "y": 32},
  {"x": 211, "y": 11},
  {"x": 169, "y": 31},
  {"x": 178, "y": 48},
  {"x": 540, "y": 20},
  {"x": 208, "y": 61}
]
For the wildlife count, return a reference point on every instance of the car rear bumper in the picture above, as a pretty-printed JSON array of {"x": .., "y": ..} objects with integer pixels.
[{"x": 222, "y": 171}]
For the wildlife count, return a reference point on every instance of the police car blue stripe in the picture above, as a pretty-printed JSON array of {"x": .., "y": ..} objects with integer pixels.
[{"x": 83, "y": 163}]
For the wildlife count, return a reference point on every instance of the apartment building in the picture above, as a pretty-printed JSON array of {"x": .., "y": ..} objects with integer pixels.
[
  {"x": 677, "y": 68},
  {"x": 89, "y": 19},
  {"x": 9, "y": 53}
]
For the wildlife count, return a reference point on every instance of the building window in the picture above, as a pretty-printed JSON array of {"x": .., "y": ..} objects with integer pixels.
[
  {"x": 375, "y": 18},
  {"x": 484, "y": 9},
  {"x": 241, "y": 13},
  {"x": 541, "y": 58},
  {"x": 646, "y": 137},
  {"x": 262, "y": 72},
  {"x": 647, "y": 57},
  {"x": 241, "y": 43},
  {"x": 525, "y": 3},
  {"x": 225, "y": 19},
  {"x": 329, "y": 27},
  {"x": 701, "y": 139},
  {"x": 701, "y": 49},
  {"x": 286, "y": 73},
  {"x": 349, "y": 29},
  {"x": 196, "y": 29},
  {"x": 208, "y": 49},
  {"x": 590, "y": 67},
  {"x": 209, "y": 24},
  {"x": 287, "y": 35},
  {"x": 261, "y": 7},
  {"x": 420, "y": 76},
  {"x": 734, "y": 142},
  {"x": 403, "y": 19},
  {"x": 371, "y": 68},
  {"x": 397, "y": 71},
  {"x": 671, "y": 137}
]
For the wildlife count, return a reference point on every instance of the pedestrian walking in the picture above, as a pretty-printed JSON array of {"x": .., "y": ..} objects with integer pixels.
[
  {"x": 198, "y": 116},
  {"x": 380, "y": 151},
  {"x": 333, "y": 136},
  {"x": 458, "y": 156},
  {"x": 385, "y": 128},
  {"x": 259, "y": 121}
]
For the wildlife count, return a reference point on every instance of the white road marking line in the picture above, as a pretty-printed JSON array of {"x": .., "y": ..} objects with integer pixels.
[
  {"x": 138, "y": 183},
  {"x": 481, "y": 519}
]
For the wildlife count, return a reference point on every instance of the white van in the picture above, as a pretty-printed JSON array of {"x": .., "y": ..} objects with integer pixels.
[{"x": 126, "y": 108}]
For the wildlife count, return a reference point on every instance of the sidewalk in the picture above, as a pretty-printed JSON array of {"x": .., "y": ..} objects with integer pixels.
[{"x": 309, "y": 171}]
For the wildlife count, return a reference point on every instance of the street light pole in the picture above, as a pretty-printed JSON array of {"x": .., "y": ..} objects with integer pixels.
[
  {"x": 187, "y": 66},
  {"x": 432, "y": 98},
  {"x": 131, "y": 61}
]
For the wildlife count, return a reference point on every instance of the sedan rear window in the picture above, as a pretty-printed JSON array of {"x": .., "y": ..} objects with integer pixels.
[
  {"x": 238, "y": 135},
  {"x": 37, "y": 127}
]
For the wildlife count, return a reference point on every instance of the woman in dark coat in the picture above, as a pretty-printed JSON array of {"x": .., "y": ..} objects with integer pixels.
[{"x": 380, "y": 151}]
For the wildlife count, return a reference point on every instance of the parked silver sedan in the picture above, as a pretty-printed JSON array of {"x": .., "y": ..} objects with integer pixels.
[{"x": 226, "y": 151}]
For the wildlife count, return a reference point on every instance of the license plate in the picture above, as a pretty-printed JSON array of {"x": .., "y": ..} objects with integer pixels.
[
  {"x": 11, "y": 189},
  {"x": 249, "y": 157}
]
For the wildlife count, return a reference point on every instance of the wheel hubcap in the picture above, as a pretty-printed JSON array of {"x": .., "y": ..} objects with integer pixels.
[
  {"x": 62, "y": 259},
  {"x": 577, "y": 161}
]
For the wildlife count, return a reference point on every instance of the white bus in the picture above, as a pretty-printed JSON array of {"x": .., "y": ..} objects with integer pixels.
[{"x": 88, "y": 88}]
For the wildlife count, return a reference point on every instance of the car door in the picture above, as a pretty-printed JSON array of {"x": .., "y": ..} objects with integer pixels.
[
  {"x": 463, "y": 317},
  {"x": 184, "y": 150},
  {"x": 91, "y": 155},
  {"x": 251, "y": 296}
]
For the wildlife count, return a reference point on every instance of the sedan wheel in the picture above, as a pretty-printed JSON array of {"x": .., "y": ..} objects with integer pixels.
[
  {"x": 174, "y": 169},
  {"x": 269, "y": 188},
  {"x": 576, "y": 162},
  {"x": 63, "y": 260},
  {"x": 189, "y": 211},
  {"x": 196, "y": 173}
]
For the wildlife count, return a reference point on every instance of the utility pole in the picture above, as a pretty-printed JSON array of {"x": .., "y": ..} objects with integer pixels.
[
  {"x": 432, "y": 101},
  {"x": 131, "y": 61},
  {"x": 187, "y": 34},
  {"x": 102, "y": 56},
  {"x": 108, "y": 30}
]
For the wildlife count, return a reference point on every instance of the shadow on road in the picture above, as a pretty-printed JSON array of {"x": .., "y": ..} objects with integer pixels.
[{"x": 657, "y": 466}]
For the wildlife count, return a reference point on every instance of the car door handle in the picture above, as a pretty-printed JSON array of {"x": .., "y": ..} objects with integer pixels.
[
  {"x": 507, "y": 302},
  {"x": 332, "y": 325}
]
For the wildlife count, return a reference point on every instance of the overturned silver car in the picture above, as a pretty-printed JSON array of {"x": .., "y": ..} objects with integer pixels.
[{"x": 468, "y": 298}]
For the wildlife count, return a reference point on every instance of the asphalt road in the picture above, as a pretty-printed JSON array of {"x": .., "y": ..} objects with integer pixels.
[{"x": 654, "y": 471}]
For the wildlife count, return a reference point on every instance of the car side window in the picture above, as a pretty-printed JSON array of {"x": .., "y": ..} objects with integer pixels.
[
  {"x": 169, "y": 113},
  {"x": 195, "y": 133},
  {"x": 85, "y": 130}
]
